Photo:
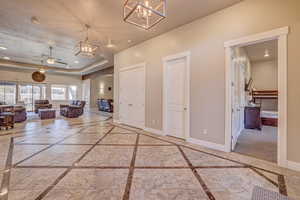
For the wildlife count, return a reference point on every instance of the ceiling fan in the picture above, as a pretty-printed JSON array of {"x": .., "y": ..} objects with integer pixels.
[{"x": 51, "y": 60}]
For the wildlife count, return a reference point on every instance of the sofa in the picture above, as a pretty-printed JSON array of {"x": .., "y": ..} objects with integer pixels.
[
  {"x": 41, "y": 104},
  {"x": 73, "y": 110},
  {"x": 19, "y": 112}
]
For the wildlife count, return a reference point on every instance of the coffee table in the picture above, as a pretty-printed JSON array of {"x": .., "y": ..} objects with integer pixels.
[{"x": 47, "y": 113}]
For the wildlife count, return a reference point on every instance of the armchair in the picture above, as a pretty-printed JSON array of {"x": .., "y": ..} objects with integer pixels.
[
  {"x": 20, "y": 113},
  {"x": 40, "y": 104},
  {"x": 75, "y": 109}
]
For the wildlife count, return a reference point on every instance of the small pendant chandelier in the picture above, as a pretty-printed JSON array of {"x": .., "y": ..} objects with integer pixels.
[
  {"x": 144, "y": 13},
  {"x": 86, "y": 48}
]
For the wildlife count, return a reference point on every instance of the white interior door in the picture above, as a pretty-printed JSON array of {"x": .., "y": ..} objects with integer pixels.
[
  {"x": 238, "y": 101},
  {"x": 132, "y": 96},
  {"x": 176, "y": 97}
]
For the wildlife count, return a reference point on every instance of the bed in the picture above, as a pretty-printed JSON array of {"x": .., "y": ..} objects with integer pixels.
[{"x": 268, "y": 118}]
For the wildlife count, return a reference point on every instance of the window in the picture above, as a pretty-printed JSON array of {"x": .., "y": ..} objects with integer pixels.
[
  {"x": 8, "y": 92},
  {"x": 58, "y": 92},
  {"x": 28, "y": 93},
  {"x": 72, "y": 92}
]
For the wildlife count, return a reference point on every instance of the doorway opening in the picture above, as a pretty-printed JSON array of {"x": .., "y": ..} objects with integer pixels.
[{"x": 256, "y": 101}]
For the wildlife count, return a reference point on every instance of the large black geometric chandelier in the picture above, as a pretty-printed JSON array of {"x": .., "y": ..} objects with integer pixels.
[{"x": 144, "y": 13}]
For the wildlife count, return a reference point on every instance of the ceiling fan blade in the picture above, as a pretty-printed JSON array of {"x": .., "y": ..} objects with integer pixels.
[{"x": 63, "y": 63}]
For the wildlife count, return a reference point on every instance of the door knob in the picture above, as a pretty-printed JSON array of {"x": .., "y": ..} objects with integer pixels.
[
  {"x": 184, "y": 108},
  {"x": 130, "y": 104}
]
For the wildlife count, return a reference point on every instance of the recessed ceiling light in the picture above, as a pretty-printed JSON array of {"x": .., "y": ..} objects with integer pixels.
[
  {"x": 76, "y": 61},
  {"x": 6, "y": 58},
  {"x": 3, "y": 48}
]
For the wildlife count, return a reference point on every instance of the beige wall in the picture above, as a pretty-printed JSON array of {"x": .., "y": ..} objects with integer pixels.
[
  {"x": 264, "y": 75},
  {"x": 101, "y": 79},
  {"x": 99, "y": 88},
  {"x": 25, "y": 77},
  {"x": 205, "y": 39}
]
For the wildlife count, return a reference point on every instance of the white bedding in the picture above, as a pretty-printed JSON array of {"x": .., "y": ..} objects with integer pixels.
[{"x": 269, "y": 114}]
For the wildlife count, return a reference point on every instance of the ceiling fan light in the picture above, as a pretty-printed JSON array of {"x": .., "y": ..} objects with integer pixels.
[
  {"x": 51, "y": 61},
  {"x": 42, "y": 70},
  {"x": 3, "y": 48}
]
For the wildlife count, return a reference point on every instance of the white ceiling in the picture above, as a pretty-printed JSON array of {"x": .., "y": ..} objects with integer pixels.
[
  {"x": 256, "y": 52},
  {"x": 62, "y": 26}
]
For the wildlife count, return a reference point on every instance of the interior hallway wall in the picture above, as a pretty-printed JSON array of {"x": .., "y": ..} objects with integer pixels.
[
  {"x": 265, "y": 75},
  {"x": 205, "y": 39},
  {"x": 100, "y": 82}
]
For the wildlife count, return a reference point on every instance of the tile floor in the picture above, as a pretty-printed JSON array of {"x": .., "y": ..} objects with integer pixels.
[{"x": 88, "y": 158}]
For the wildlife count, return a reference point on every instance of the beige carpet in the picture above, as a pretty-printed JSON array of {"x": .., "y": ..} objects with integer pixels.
[{"x": 259, "y": 144}]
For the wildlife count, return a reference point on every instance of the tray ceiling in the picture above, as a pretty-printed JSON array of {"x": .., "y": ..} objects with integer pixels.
[{"x": 61, "y": 25}]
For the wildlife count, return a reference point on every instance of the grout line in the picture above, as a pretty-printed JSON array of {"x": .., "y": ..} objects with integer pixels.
[
  {"x": 220, "y": 167},
  {"x": 48, "y": 189},
  {"x": 62, "y": 144},
  {"x": 281, "y": 179},
  {"x": 131, "y": 171},
  {"x": 124, "y": 167},
  {"x": 211, "y": 154},
  {"x": 77, "y": 125},
  {"x": 173, "y": 143},
  {"x": 48, "y": 147},
  {"x": 264, "y": 176},
  {"x": 38, "y": 134},
  {"x": 118, "y": 133},
  {"x": 200, "y": 180},
  {"x": 159, "y": 167},
  {"x": 90, "y": 144},
  {"x": 6, "y": 174},
  {"x": 201, "y": 151},
  {"x": 282, "y": 185},
  {"x": 92, "y": 147},
  {"x": 73, "y": 167}
]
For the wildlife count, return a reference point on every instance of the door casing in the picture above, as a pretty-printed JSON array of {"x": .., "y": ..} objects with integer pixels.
[{"x": 280, "y": 35}]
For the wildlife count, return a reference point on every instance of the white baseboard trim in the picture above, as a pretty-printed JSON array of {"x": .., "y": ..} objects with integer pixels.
[
  {"x": 293, "y": 165},
  {"x": 155, "y": 131},
  {"x": 210, "y": 145}
]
